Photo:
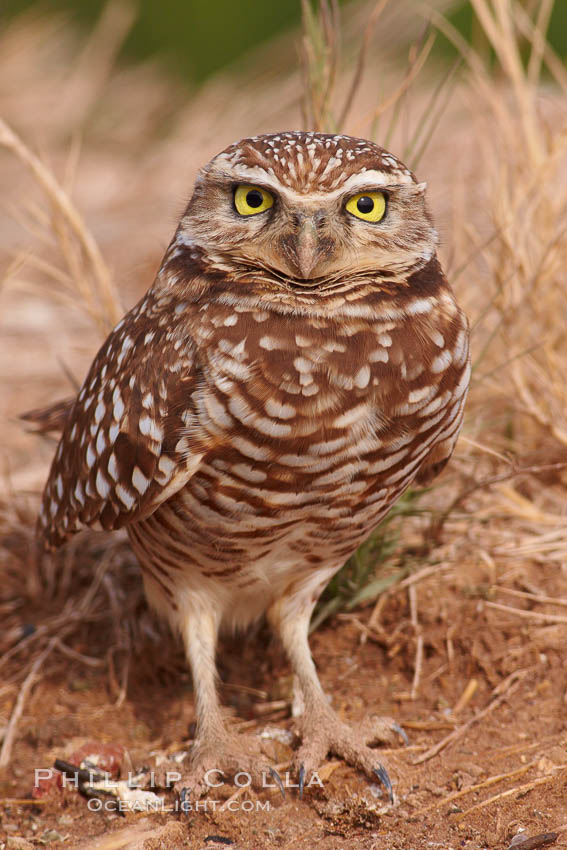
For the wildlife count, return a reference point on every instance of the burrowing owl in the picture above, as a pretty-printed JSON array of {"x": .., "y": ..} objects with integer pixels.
[{"x": 297, "y": 363}]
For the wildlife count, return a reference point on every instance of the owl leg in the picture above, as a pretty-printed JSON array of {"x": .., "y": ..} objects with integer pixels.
[
  {"x": 216, "y": 753},
  {"x": 322, "y": 732},
  {"x": 200, "y": 637}
]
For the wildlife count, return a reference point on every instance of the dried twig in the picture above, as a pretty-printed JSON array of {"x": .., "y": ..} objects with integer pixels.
[
  {"x": 372, "y": 627},
  {"x": 419, "y": 641},
  {"x": 77, "y": 656},
  {"x": 359, "y": 71},
  {"x": 520, "y": 789},
  {"x": 522, "y": 748},
  {"x": 492, "y": 780},
  {"x": 411, "y": 74},
  {"x": 540, "y": 598},
  {"x": 319, "y": 60},
  {"x": 500, "y": 694},
  {"x": 439, "y": 521},
  {"x": 527, "y": 615},
  {"x": 29, "y": 681},
  {"x": 466, "y": 696}
]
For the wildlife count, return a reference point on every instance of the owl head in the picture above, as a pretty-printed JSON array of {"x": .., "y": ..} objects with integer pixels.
[{"x": 305, "y": 208}]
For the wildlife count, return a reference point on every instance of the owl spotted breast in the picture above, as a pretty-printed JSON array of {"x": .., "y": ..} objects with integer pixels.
[{"x": 299, "y": 361}]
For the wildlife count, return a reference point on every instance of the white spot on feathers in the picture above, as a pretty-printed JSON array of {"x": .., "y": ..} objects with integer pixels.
[
  {"x": 139, "y": 480},
  {"x": 281, "y": 411},
  {"x": 102, "y": 485},
  {"x": 113, "y": 467},
  {"x": 441, "y": 362},
  {"x": 125, "y": 497},
  {"x": 101, "y": 442},
  {"x": 99, "y": 411},
  {"x": 91, "y": 456},
  {"x": 149, "y": 428},
  {"x": 362, "y": 377}
]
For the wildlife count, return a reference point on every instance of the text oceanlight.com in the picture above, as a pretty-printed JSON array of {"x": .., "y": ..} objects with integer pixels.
[{"x": 95, "y": 804}]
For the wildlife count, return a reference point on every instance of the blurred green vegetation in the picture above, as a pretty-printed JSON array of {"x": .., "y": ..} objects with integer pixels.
[{"x": 196, "y": 38}]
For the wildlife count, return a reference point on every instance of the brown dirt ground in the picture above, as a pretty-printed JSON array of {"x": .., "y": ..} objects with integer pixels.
[{"x": 464, "y": 640}]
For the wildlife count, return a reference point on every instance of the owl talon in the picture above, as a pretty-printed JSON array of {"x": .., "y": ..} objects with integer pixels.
[
  {"x": 401, "y": 732},
  {"x": 185, "y": 801},
  {"x": 301, "y": 780},
  {"x": 220, "y": 759},
  {"x": 275, "y": 775},
  {"x": 323, "y": 733},
  {"x": 383, "y": 777}
]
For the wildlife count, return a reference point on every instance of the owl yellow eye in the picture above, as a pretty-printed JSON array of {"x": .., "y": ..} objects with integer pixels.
[
  {"x": 250, "y": 200},
  {"x": 369, "y": 206}
]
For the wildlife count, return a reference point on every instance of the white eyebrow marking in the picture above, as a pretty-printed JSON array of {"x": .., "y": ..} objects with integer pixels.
[{"x": 365, "y": 179}]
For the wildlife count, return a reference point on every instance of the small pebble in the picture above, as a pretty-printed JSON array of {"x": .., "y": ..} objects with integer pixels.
[
  {"x": 52, "y": 835},
  {"x": 14, "y": 842}
]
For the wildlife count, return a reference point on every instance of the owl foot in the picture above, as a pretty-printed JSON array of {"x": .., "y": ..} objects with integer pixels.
[
  {"x": 235, "y": 760},
  {"x": 327, "y": 734}
]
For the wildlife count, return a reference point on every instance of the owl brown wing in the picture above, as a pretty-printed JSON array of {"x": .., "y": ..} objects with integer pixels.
[
  {"x": 450, "y": 372},
  {"x": 132, "y": 437}
]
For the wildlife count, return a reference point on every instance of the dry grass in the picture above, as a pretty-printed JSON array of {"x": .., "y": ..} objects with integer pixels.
[
  {"x": 522, "y": 132},
  {"x": 85, "y": 274},
  {"x": 498, "y": 176}
]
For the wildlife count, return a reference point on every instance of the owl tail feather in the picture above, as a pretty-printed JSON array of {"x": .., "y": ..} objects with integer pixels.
[{"x": 52, "y": 418}]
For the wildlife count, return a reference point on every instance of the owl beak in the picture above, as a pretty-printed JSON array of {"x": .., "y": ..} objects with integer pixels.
[{"x": 307, "y": 247}]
